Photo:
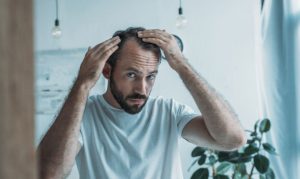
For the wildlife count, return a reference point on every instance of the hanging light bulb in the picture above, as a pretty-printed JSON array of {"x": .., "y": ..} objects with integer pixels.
[
  {"x": 181, "y": 21},
  {"x": 56, "y": 30}
]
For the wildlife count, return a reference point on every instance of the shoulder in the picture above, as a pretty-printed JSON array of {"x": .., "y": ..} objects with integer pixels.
[
  {"x": 163, "y": 101},
  {"x": 91, "y": 103},
  {"x": 159, "y": 100},
  {"x": 92, "y": 100},
  {"x": 174, "y": 105}
]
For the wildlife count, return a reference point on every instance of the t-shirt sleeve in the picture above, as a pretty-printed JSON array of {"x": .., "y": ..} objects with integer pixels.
[
  {"x": 84, "y": 123},
  {"x": 80, "y": 140},
  {"x": 81, "y": 131},
  {"x": 183, "y": 115}
]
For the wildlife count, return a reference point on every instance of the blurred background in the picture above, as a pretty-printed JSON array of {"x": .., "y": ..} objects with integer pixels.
[{"x": 223, "y": 41}]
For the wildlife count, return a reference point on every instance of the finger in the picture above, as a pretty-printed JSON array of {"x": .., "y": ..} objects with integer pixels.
[
  {"x": 156, "y": 41},
  {"x": 98, "y": 46},
  {"x": 155, "y": 31},
  {"x": 107, "y": 53},
  {"x": 113, "y": 39},
  {"x": 88, "y": 51},
  {"x": 154, "y": 34},
  {"x": 107, "y": 46}
]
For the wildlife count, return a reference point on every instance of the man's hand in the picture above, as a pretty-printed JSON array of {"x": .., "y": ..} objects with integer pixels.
[
  {"x": 166, "y": 42},
  {"x": 94, "y": 61}
]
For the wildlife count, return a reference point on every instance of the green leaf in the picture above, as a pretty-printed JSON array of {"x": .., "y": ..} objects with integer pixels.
[
  {"x": 241, "y": 168},
  {"x": 198, "y": 151},
  {"x": 228, "y": 156},
  {"x": 202, "y": 159},
  {"x": 269, "y": 148},
  {"x": 224, "y": 167},
  {"x": 237, "y": 175},
  {"x": 256, "y": 125},
  {"x": 201, "y": 173},
  {"x": 251, "y": 149},
  {"x": 265, "y": 125},
  {"x": 243, "y": 159},
  {"x": 221, "y": 177},
  {"x": 195, "y": 161},
  {"x": 253, "y": 134},
  {"x": 250, "y": 141},
  {"x": 262, "y": 176},
  {"x": 261, "y": 163},
  {"x": 254, "y": 140},
  {"x": 245, "y": 177},
  {"x": 212, "y": 159},
  {"x": 234, "y": 157},
  {"x": 270, "y": 174}
]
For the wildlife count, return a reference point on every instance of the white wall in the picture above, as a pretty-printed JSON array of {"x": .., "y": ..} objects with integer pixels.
[{"x": 219, "y": 42}]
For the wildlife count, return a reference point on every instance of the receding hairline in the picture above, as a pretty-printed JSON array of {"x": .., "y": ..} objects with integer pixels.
[
  {"x": 134, "y": 41},
  {"x": 127, "y": 35}
]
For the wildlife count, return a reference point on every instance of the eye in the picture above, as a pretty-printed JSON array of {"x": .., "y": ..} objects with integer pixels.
[
  {"x": 151, "y": 77},
  {"x": 131, "y": 75}
]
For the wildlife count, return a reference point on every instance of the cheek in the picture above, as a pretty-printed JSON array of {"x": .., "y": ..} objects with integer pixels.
[
  {"x": 125, "y": 86},
  {"x": 150, "y": 86}
]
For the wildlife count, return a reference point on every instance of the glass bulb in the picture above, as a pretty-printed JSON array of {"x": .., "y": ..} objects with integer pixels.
[
  {"x": 181, "y": 21},
  {"x": 56, "y": 32}
]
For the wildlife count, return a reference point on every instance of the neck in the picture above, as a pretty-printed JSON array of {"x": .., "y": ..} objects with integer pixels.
[{"x": 108, "y": 96}]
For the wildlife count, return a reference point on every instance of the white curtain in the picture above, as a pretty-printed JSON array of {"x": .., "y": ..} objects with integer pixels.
[{"x": 277, "y": 49}]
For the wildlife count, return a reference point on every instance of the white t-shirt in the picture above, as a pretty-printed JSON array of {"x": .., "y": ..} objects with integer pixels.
[{"x": 118, "y": 145}]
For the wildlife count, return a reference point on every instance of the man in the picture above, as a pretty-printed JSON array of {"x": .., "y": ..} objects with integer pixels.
[{"x": 124, "y": 133}]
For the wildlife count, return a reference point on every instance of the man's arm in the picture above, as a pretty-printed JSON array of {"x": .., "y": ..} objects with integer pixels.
[
  {"x": 218, "y": 123},
  {"x": 219, "y": 127},
  {"x": 60, "y": 145}
]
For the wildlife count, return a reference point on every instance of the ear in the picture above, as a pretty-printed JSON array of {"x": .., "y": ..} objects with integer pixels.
[{"x": 106, "y": 71}]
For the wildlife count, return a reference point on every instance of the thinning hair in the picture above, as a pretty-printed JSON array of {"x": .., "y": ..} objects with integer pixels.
[{"x": 128, "y": 34}]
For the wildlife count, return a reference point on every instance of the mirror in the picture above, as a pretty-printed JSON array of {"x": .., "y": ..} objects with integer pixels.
[{"x": 218, "y": 41}]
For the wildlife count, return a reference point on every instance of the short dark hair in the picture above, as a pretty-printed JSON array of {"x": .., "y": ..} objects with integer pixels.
[{"x": 131, "y": 33}]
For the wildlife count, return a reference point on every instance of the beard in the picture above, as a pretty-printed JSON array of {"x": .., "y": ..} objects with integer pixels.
[{"x": 122, "y": 99}]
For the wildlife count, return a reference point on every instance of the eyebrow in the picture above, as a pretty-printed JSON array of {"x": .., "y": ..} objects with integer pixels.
[{"x": 139, "y": 72}]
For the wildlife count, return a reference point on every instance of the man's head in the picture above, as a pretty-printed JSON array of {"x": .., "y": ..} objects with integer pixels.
[
  {"x": 131, "y": 34},
  {"x": 131, "y": 70}
]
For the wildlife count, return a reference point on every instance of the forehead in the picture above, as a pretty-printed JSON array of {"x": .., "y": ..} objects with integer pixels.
[{"x": 132, "y": 56}]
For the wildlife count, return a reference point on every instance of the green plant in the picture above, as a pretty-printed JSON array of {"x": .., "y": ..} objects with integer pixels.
[{"x": 244, "y": 163}]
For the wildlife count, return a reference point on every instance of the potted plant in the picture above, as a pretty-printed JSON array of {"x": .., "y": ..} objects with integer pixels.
[{"x": 245, "y": 163}]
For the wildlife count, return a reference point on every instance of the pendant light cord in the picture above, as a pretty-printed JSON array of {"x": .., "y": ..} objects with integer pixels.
[
  {"x": 56, "y": 9},
  {"x": 180, "y": 8}
]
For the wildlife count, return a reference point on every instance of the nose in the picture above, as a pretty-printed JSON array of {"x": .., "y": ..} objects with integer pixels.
[{"x": 141, "y": 87}]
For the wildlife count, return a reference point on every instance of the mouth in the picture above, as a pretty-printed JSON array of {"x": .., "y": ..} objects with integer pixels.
[{"x": 136, "y": 101}]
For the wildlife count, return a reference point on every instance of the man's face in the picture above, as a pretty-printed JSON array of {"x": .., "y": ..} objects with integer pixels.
[{"x": 133, "y": 77}]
